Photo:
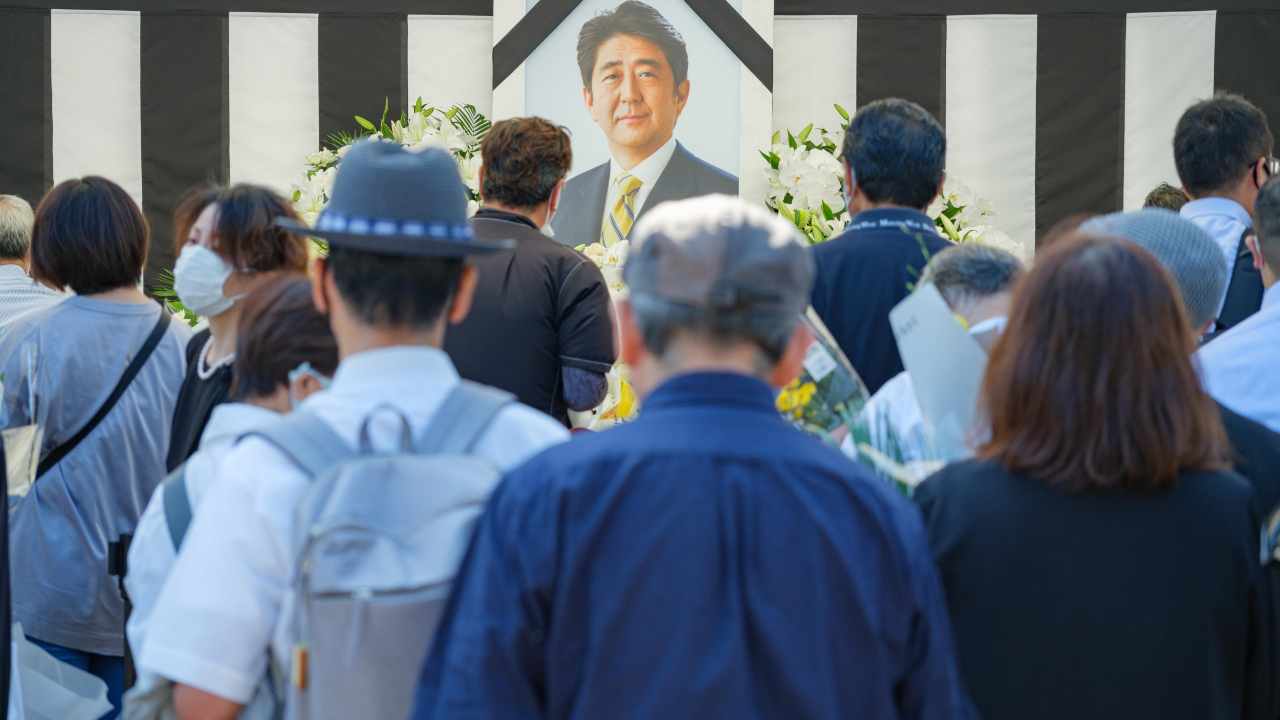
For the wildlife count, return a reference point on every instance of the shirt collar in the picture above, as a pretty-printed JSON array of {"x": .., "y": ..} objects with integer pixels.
[
  {"x": 1271, "y": 298},
  {"x": 485, "y": 213},
  {"x": 648, "y": 170},
  {"x": 1217, "y": 206},
  {"x": 230, "y": 420},
  {"x": 14, "y": 271},
  {"x": 905, "y": 218},
  {"x": 375, "y": 372},
  {"x": 721, "y": 389}
]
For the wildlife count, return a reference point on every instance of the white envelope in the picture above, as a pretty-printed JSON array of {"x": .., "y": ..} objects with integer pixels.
[{"x": 946, "y": 367}]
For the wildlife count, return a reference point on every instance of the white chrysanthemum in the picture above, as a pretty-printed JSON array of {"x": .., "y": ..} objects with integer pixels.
[
  {"x": 992, "y": 237},
  {"x": 595, "y": 253},
  {"x": 470, "y": 170},
  {"x": 322, "y": 159}
]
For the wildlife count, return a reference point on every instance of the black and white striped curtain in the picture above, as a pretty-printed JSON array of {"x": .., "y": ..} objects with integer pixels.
[{"x": 1051, "y": 107}]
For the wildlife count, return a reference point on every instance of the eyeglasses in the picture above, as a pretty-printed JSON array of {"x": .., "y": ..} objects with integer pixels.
[{"x": 1271, "y": 166}]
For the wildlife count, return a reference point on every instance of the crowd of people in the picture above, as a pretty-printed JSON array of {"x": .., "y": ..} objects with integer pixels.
[{"x": 354, "y": 492}]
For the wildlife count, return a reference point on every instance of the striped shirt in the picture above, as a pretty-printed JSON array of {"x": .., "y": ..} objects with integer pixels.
[{"x": 19, "y": 294}]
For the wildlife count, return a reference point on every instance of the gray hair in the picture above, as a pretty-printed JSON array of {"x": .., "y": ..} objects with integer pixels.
[
  {"x": 16, "y": 219},
  {"x": 1184, "y": 249},
  {"x": 972, "y": 272}
]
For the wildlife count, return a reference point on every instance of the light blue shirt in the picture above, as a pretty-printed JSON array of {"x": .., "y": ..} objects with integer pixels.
[
  {"x": 1238, "y": 369},
  {"x": 1225, "y": 221},
  {"x": 59, "y": 530}
]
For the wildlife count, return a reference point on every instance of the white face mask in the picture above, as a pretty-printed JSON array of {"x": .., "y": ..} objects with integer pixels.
[{"x": 198, "y": 277}]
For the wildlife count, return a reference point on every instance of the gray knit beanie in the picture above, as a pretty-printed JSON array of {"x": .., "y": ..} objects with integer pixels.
[{"x": 1188, "y": 252}]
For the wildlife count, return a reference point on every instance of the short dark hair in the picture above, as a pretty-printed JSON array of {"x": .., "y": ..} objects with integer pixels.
[
  {"x": 388, "y": 290},
  {"x": 896, "y": 151},
  {"x": 246, "y": 234},
  {"x": 1268, "y": 213},
  {"x": 1092, "y": 383},
  {"x": 632, "y": 17},
  {"x": 279, "y": 330},
  {"x": 1217, "y": 140},
  {"x": 972, "y": 272},
  {"x": 90, "y": 236},
  {"x": 523, "y": 160},
  {"x": 1166, "y": 196}
]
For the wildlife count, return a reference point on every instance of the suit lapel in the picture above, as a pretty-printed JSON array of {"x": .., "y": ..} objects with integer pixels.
[
  {"x": 582, "y": 207},
  {"x": 672, "y": 183}
]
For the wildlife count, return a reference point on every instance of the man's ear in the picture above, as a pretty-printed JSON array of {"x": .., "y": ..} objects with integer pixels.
[
  {"x": 319, "y": 276},
  {"x": 682, "y": 96},
  {"x": 849, "y": 188},
  {"x": 553, "y": 202},
  {"x": 631, "y": 343},
  {"x": 463, "y": 296},
  {"x": 587, "y": 99},
  {"x": 1256, "y": 251},
  {"x": 792, "y": 362},
  {"x": 480, "y": 182}
]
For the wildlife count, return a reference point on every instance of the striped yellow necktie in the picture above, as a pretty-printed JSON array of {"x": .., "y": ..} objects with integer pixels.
[{"x": 623, "y": 214}]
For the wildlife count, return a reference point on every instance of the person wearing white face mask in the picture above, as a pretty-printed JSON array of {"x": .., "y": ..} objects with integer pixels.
[
  {"x": 285, "y": 353},
  {"x": 228, "y": 246},
  {"x": 976, "y": 282}
]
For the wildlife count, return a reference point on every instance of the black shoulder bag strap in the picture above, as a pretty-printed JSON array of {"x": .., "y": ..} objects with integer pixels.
[
  {"x": 1244, "y": 292},
  {"x": 148, "y": 347}
]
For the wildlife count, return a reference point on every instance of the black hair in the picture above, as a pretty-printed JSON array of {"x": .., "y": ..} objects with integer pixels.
[
  {"x": 632, "y": 17},
  {"x": 896, "y": 151},
  {"x": 523, "y": 159},
  {"x": 389, "y": 290},
  {"x": 280, "y": 329},
  {"x": 90, "y": 236},
  {"x": 1217, "y": 140},
  {"x": 972, "y": 272}
]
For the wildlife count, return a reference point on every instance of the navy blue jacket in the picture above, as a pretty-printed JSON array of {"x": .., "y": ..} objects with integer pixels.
[
  {"x": 705, "y": 561},
  {"x": 862, "y": 274}
]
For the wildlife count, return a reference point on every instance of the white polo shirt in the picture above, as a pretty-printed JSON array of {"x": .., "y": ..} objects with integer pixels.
[{"x": 220, "y": 609}]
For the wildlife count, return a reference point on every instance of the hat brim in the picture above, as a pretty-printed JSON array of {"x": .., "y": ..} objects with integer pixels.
[{"x": 400, "y": 245}]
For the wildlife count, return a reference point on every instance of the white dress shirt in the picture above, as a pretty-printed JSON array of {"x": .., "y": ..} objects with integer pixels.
[
  {"x": 1239, "y": 367},
  {"x": 151, "y": 552},
  {"x": 647, "y": 172},
  {"x": 221, "y": 608},
  {"x": 1225, "y": 221}
]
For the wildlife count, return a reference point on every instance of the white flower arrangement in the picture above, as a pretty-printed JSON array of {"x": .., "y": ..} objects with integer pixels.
[
  {"x": 610, "y": 260},
  {"x": 458, "y": 130},
  {"x": 806, "y": 186}
]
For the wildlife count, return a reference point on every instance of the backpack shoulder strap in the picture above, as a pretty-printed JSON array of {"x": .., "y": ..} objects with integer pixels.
[
  {"x": 309, "y": 442},
  {"x": 467, "y": 412},
  {"x": 148, "y": 346},
  {"x": 177, "y": 505}
]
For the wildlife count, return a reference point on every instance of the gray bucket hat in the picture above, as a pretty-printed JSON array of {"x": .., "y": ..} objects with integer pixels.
[{"x": 389, "y": 200}]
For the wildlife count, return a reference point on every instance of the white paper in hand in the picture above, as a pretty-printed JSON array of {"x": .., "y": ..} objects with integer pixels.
[{"x": 946, "y": 367}]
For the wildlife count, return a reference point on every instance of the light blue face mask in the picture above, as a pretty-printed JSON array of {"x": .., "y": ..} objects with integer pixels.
[{"x": 305, "y": 369}]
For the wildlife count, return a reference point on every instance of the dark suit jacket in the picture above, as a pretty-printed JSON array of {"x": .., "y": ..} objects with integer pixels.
[{"x": 577, "y": 222}]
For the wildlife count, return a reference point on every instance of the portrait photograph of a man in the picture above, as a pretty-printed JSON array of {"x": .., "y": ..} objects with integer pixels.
[{"x": 636, "y": 95}]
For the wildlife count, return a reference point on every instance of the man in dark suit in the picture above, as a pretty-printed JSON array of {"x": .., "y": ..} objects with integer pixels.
[
  {"x": 540, "y": 325},
  {"x": 635, "y": 84},
  {"x": 893, "y": 157}
]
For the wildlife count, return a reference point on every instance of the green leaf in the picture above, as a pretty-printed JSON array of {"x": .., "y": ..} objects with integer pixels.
[
  {"x": 775, "y": 138},
  {"x": 364, "y": 123},
  {"x": 844, "y": 114},
  {"x": 417, "y": 105},
  {"x": 791, "y": 141},
  {"x": 469, "y": 120},
  {"x": 386, "y": 107},
  {"x": 827, "y": 212},
  {"x": 785, "y": 211},
  {"x": 804, "y": 134},
  {"x": 771, "y": 158}
]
